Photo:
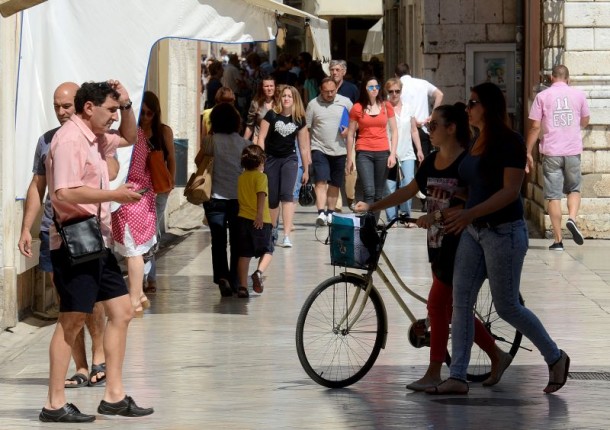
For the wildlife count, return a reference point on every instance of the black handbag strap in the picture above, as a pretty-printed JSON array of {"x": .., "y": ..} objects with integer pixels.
[{"x": 99, "y": 213}]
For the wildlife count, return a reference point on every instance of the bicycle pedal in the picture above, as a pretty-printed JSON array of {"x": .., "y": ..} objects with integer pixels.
[{"x": 419, "y": 335}]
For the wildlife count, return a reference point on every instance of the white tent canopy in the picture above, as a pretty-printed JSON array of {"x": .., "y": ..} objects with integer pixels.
[
  {"x": 92, "y": 40},
  {"x": 373, "y": 45}
]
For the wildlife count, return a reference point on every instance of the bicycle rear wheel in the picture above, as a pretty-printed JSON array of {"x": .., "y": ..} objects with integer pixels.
[
  {"x": 331, "y": 353},
  {"x": 506, "y": 336}
]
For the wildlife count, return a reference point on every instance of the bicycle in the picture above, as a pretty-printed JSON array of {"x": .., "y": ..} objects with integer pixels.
[{"x": 343, "y": 323}]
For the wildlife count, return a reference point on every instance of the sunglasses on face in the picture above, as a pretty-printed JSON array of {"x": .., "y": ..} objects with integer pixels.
[
  {"x": 373, "y": 87},
  {"x": 148, "y": 113},
  {"x": 393, "y": 91},
  {"x": 472, "y": 103},
  {"x": 433, "y": 125}
]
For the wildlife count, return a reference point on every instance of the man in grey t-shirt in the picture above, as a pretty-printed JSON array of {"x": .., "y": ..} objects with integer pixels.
[{"x": 325, "y": 116}]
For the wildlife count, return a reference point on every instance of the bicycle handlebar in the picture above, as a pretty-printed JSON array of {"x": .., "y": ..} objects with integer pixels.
[{"x": 403, "y": 219}]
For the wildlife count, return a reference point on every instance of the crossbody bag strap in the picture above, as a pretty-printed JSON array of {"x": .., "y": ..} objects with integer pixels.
[{"x": 99, "y": 212}]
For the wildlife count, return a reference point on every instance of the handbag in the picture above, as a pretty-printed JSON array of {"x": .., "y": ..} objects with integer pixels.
[
  {"x": 198, "y": 189},
  {"x": 307, "y": 195},
  {"x": 159, "y": 173},
  {"x": 82, "y": 238}
]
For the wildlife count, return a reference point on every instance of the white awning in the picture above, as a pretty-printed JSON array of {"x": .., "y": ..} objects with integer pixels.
[
  {"x": 318, "y": 27},
  {"x": 373, "y": 45},
  {"x": 349, "y": 8},
  {"x": 94, "y": 40},
  {"x": 10, "y": 7}
]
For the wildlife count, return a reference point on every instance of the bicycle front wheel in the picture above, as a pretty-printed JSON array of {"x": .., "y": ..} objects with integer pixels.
[
  {"x": 335, "y": 349},
  {"x": 506, "y": 336}
]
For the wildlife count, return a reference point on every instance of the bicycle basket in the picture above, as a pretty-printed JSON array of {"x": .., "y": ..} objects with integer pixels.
[{"x": 346, "y": 246}]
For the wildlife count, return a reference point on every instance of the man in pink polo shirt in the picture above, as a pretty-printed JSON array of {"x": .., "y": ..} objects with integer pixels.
[
  {"x": 77, "y": 176},
  {"x": 560, "y": 111}
]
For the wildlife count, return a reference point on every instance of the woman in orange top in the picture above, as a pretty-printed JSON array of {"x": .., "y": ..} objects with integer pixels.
[{"x": 375, "y": 153}]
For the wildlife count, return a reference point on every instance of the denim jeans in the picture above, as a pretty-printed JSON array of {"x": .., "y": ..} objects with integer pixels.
[
  {"x": 372, "y": 169},
  {"x": 496, "y": 253},
  {"x": 407, "y": 168},
  {"x": 222, "y": 215}
]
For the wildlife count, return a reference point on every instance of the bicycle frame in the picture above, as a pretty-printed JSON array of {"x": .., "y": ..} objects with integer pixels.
[{"x": 369, "y": 281}]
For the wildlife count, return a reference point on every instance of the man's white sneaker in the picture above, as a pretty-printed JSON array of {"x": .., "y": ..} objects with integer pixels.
[
  {"x": 286, "y": 243},
  {"x": 321, "y": 219}
]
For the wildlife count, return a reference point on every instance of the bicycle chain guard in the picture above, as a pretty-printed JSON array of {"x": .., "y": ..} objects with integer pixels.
[{"x": 419, "y": 335}]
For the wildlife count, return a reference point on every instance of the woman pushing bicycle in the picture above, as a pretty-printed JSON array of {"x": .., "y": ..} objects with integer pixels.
[{"x": 438, "y": 178}]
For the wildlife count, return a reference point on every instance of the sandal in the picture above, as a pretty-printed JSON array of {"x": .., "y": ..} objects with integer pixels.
[
  {"x": 96, "y": 369},
  {"x": 438, "y": 390},
  {"x": 242, "y": 293},
  {"x": 151, "y": 287},
  {"x": 225, "y": 288},
  {"x": 80, "y": 379},
  {"x": 144, "y": 302},
  {"x": 558, "y": 373},
  {"x": 257, "y": 281}
]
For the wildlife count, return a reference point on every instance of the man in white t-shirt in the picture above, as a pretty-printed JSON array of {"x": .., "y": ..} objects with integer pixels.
[{"x": 560, "y": 112}]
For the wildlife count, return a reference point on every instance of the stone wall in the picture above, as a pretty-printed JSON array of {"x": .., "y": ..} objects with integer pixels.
[
  {"x": 577, "y": 34},
  {"x": 448, "y": 25}
]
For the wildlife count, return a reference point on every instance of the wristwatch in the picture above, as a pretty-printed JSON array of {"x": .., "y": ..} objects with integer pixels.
[
  {"x": 126, "y": 106},
  {"x": 438, "y": 216}
]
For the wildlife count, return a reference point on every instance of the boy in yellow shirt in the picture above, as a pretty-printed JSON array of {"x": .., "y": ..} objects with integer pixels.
[{"x": 254, "y": 220}]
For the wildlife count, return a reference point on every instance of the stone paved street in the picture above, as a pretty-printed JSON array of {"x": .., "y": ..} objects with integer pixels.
[{"x": 206, "y": 362}]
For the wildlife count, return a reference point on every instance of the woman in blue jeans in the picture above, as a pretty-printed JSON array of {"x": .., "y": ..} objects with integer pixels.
[
  {"x": 375, "y": 153},
  {"x": 494, "y": 241}
]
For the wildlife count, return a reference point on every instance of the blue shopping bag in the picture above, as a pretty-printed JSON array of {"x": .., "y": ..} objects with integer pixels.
[{"x": 346, "y": 247}]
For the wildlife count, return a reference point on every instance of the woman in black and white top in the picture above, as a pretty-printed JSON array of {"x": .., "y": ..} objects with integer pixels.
[{"x": 278, "y": 131}]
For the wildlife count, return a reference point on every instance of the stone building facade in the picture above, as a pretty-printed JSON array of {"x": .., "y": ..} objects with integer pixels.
[{"x": 433, "y": 36}]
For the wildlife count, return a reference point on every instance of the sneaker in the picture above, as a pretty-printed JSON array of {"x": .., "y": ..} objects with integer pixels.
[
  {"x": 126, "y": 408},
  {"x": 286, "y": 243},
  {"x": 576, "y": 234},
  {"x": 274, "y": 235},
  {"x": 557, "y": 246},
  {"x": 257, "y": 282},
  {"x": 67, "y": 414},
  {"x": 321, "y": 220}
]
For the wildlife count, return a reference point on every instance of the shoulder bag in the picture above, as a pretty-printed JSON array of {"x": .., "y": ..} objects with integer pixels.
[
  {"x": 198, "y": 189},
  {"x": 82, "y": 237},
  {"x": 159, "y": 173}
]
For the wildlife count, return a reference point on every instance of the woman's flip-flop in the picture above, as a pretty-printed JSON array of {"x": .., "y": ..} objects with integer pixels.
[
  {"x": 80, "y": 379},
  {"x": 558, "y": 373},
  {"x": 438, "y": 390},
  {"x": 96, "y": 369}
]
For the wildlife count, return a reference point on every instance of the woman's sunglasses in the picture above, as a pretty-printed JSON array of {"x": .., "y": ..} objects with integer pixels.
[
  {"x": 147, "y": 113},
  {"x": 393, "y": 91},
  {"x": 433, "y": 125},
  {"x": 472, "y": 103},
  {"x": 373, "y": 87}
]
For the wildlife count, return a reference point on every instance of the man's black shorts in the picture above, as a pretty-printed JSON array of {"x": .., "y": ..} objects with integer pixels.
[
  {"x": 81, "y": 286},
  {"x": 328, "y": 168}
]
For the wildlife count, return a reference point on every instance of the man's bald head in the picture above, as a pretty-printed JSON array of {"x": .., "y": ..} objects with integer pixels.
[{"x": 63, "y": 101}]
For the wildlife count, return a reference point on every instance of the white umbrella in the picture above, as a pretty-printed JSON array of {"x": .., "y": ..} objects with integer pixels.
[{"x": 373, "y": 45}]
